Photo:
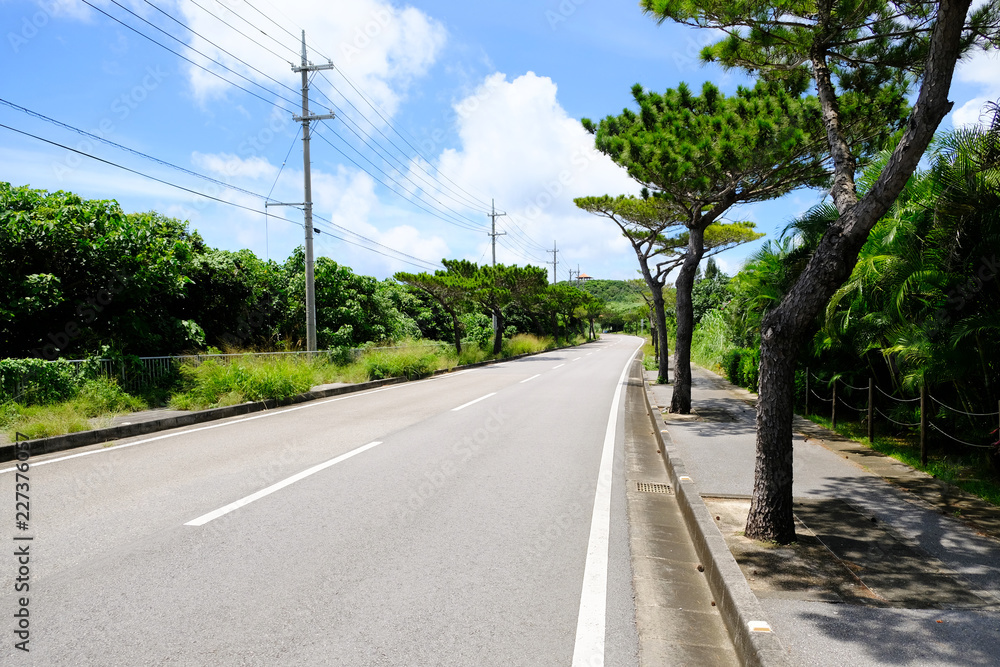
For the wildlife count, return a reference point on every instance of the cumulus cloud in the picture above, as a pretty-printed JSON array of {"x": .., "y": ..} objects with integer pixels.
[
  {"x": 520, "y": 146},
  {"x": 381, "y": 47},
  {"x": 981, "y": 70}
]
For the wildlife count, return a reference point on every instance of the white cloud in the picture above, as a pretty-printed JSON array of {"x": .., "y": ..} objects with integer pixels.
[
  {"x": 519, "y": 145},
  {"x": 231, "y": 166},
  {"x": 982, "y": 71},
  {"x": 382, "y": 48}
]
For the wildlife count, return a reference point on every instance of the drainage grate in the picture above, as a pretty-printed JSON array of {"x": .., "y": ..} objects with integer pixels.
[{"x": 648, "y": 487}]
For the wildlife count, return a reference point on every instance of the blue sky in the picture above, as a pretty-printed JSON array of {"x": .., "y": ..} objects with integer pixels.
[{"x": 456, "y": 107}]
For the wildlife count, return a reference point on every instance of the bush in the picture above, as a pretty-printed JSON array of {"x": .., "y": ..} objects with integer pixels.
[
  {"x": 749, "y": 369},
  {"x": 37, "y": 381},
  {"x": 742, "y": 367}
]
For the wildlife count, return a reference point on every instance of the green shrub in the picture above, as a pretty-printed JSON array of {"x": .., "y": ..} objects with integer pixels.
[
  {"x": 37, "y": 381},
  {"x": 749, "y": 369},
  {"x": 731, "y": 364}
]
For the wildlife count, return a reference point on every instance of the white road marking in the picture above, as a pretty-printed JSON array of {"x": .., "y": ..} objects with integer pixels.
[
  {"x": 205, "y": 518},
  {"x": 578, "y": 359},
  {"x": 592, "y": 621},
  {"x": 531, "y": 378},
  {"x": 263, "y": 415},
  {"x": 559, "y": 366},
  {"x": 465, "y": 405}
]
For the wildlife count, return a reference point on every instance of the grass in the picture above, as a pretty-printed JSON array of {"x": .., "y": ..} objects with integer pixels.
[
  {"x": 710, "y": 341},
  {"x": 968, "y": 472},
  {"x": 99, "y": 399},
  {"x": 213, "y": 384}
]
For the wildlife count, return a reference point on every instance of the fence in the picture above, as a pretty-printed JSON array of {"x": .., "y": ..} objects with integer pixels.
[{"x": 925, "y": 408}]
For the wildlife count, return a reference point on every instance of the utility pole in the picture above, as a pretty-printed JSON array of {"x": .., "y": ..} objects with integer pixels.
[
  {"x": 493, "y": 238},
  {"x": 554, "y": 262},
  {"x": 305, "y": 119},
  {"x": 493, "y": 233}
]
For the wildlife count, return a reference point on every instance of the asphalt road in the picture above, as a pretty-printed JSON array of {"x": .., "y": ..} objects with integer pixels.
[{"x": 441, "y": 522}]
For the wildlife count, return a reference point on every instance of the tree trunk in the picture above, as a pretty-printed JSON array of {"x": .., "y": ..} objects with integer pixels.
[
  {"x": 785, "y": 327},
  {"x": 553, "y": 318},
  {"x": 663, "y": 356},
  {"x": 498, "y": 334},
  {"x": 770, "y": 516},
  {"x": 680, "y": 401},
  {"x": 458, "y": 331}
]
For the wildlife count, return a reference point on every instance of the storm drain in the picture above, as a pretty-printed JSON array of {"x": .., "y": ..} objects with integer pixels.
[{"x": 648, "y": 487}]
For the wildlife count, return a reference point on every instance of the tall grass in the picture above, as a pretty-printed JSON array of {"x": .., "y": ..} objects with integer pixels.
[
  {"x": 214, "y": 383},
  {"x": 97, "y": 401},
  {"x": 710, "y": 342}
]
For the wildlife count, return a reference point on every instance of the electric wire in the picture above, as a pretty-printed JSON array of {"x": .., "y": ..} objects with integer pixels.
[
  {"x": 388, "y": 176},
  {"x": 415, "y": 202},
  {"x": 475, "y": 203},
  {"x": 443, "y": 189},
  {"x": 207, "y": 196},
  {"x": 95, "y": 137},
  {"x": 183, "y": 57}
]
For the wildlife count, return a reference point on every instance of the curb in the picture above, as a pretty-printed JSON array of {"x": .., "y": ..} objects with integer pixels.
[
  {"x": 59, "y": 443},
  {"x": 741, "y": 610}
]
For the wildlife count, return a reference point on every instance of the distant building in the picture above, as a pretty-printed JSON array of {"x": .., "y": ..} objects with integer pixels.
[{"x": 584, "y": 276}]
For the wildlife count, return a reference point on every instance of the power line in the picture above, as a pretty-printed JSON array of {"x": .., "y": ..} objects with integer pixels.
[
  {"x": 95, "y": 137},
  {"x": 185, "y": 58},
  {"x": 444, "y": 189},
  {"x": 415, "y": 202},
  {"x": 216, "y": 199},
  {"x": 379, "y": 112}
]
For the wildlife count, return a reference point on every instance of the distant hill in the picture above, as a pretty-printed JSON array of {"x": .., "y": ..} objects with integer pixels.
[{"x": 615, "y": 292}]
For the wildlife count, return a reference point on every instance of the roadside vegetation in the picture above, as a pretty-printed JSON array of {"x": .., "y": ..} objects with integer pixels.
[
  {"x": 918, "y": 313},
  {"x": 72, "y": 400}
]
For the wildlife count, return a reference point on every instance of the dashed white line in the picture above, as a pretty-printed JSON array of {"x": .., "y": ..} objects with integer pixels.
[
  {"x": 261, "y": 415},
  {"x": 205, "y": 518},
  {"x": 481, "y": 398},
  {"x": 559, "y": 366},
  {"x": 577, "y": 359},
  {"x": 531, "y": 378}
]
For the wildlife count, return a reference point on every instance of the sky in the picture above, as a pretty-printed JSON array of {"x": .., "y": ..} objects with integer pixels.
[{"x": 442, "y": 111}]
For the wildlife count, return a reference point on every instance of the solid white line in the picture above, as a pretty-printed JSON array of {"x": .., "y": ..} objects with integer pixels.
[
  {"x": 205, "y": 518},
  {"x": 559, "y": 366},
  {"x": 592, "y": 621},
  {"x": 263, "y": 415},
  {"x": 531, "y": 378},
  {"x": 465, "y": 405}
]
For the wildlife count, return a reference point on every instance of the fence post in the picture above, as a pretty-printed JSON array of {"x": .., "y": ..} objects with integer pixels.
[
  {"x": 807, "y": 391},
  {"x": 833, "y": 409},
  {"x": 923, "y": 424},
  {"x": 871, "y": 411}
]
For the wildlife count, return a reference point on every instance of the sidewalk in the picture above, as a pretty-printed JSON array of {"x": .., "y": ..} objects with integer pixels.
[{"x": 879, "y": 576}]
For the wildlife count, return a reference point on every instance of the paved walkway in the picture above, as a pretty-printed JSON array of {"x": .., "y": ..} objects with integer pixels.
[{"x": 718, "y": 450}]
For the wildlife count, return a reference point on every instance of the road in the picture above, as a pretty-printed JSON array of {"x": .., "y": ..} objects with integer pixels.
[{"x": 449, "y": 521}]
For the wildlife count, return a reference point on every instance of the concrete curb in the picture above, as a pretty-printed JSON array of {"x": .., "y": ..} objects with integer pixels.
[
  {"x": 58, "y": 443},
  {"x": 738, "y": 605}
]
